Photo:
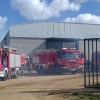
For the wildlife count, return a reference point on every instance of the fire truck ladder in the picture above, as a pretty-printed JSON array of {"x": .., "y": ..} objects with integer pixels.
[
  {"x": 10, "y": 48},
  {"x": 41, "y": 51},
  {"x": 24, "y": 54}
]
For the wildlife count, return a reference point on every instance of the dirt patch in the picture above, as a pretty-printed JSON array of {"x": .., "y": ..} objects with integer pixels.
[
  {"x": 39, "y": 87},
  {"x": 16, "y": 85},
  {"x": 73, "y": 91}
]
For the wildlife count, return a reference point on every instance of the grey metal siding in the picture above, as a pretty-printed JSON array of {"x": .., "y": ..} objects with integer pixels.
[
  {"x": 6, "y": 40},
  {"x": 61, "y": 30},
  {"x": 50, "y": 28},
  {"x": 27, "y": 45},
  {"x": 55, "y": 29}
]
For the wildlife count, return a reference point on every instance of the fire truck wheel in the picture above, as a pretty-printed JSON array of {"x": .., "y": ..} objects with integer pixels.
[
  {"x": 37, "y": 69},
  {"x": 16, "y": 75},
  {"x": 57, "y": 71},
  {"x": 73, "y": 72},
  {"x": 80, "y": 70},
  {"x": 22, "y": 69},
  {"x": 42, "y": 70},
  {"x": 5, "y": 77}
]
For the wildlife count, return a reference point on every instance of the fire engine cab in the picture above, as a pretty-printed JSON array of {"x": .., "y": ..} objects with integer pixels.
[
  {"x": 24, "y": 59},
  {"x": 10, "y": 62},
  {"x": 58, "y": 61}
]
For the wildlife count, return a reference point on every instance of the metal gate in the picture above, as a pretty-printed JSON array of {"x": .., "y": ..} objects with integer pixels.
[{"x": 92, "y": 63}]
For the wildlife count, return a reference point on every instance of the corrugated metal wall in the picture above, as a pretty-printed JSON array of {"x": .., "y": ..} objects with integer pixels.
[
  {"x": 55, "y": 29},
  {"x": 6, "y": 40},
  {"x": 28, "y": 45}
]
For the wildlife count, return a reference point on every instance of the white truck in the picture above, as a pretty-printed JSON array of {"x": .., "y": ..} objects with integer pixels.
[{"x": 10, "y": 62}]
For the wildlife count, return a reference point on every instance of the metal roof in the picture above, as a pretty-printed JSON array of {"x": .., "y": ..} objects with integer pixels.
[{"x": 55, "y": 29}]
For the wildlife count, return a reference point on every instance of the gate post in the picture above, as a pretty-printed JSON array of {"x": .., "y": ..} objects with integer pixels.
[{"x": 84, "y": 64}]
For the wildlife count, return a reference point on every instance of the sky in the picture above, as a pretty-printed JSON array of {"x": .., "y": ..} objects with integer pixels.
[{"x": 26, "y": 11}]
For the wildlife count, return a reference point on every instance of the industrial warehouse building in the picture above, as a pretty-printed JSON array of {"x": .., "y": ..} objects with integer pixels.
[{"x": 46, "y": 35}]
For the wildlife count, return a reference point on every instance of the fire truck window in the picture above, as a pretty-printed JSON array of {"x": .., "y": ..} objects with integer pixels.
[
  {"x": 26, "y": 59},
  {"x": 69, "y": 55},
  {"x": 59, "y": 55},
  {"x": 4, "y": 55}
]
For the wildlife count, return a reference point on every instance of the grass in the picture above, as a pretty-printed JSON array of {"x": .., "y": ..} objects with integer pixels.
[
  {"x": 81, "y": 96},
  {"x": 66, "y": 96},
  {"x": 88, "y": 97},
  {"x": 95, "y": 85}
]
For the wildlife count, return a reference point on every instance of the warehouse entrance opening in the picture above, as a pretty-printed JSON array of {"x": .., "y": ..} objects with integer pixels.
[{"x": 59, "y": 43}]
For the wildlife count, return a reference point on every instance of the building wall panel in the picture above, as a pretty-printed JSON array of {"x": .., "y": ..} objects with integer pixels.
[
  {"x": 83, "y": 31},
  {"x": 44, "y": 29},
  {"x": 37, "y": 30},
  {"x": 78, "y": 31},
  {"x": 55, "y": 29},
  {"x": 27, "y": 45},
  {"x": 13, "y": 31},
  {"x": 88, "y": 29},
  {"x": 25, "y": 31},
  {"x": 31, "y": 30},
  {"x": 73, "y": 30},
  {"x": 67, "y": 30},
  {"x": 5, "y": 40},
  {"x": 61, "y": 30},
  {"x": 50, "y": 29},
  {"x": 97, "y": 31}
]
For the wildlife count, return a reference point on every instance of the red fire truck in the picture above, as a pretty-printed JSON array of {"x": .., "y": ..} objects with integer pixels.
[
  {"x": 58, "y": 61},
  {"x": 23, "y": 62},
  {"x": 10, "y": 62},
  {"x": 24, "y": 59}
]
